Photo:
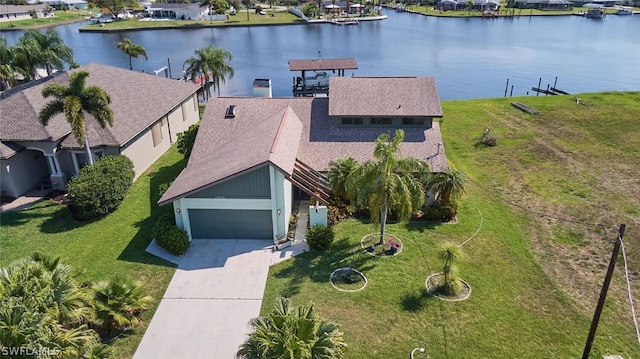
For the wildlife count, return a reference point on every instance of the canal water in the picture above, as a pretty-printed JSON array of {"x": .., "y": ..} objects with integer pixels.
[{"x": 470, "y": 58}]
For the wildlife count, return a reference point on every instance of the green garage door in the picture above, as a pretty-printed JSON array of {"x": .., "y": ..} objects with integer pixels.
[{"x": 230, "y": 224}]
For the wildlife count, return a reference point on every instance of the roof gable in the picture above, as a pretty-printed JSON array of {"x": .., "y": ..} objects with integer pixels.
[{"x": 384, "y": 97}]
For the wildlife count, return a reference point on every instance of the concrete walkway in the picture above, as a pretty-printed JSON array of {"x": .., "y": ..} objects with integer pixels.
[{"x": 215, "y": 292}]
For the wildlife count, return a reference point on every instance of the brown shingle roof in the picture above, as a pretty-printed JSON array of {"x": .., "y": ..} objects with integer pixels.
[
  {"x": 8, "y": 149},
  {"x": 384, "y": 96},
  {"x": 323, "y": 64},
  {"x": 227, "y": 147},
  {"x": 137, "y": 99}
]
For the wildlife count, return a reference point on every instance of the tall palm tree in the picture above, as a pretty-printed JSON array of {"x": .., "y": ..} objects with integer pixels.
[
  {"x": 132, "y": 50},
  {"x": 290, "y": 332},
  {"x": 388, "y": 182},
  {"x": 448, "y": 185},
  {"x": 213, "y": 62},
  {"x": 74, "y": 101},
  {"x": 338, "y": 175},
  {"x": 53, "y": 51}
]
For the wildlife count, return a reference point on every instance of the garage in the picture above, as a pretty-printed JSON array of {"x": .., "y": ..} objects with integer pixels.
[{"x": 230, "y": 224}]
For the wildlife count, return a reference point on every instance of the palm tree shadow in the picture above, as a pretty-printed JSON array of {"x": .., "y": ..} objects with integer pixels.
[
  {"x": 318, "y": 266},
  {"x": 416, "y": 301},
  {"x": 421, "y": 226}
]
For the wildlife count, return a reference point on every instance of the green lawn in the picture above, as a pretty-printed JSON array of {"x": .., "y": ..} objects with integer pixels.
[
  {"x": 103, "y": 249},
  {"x": 535, "y": 280},
  {"x": 271, "y": 18},
  {"x": 60, "y": 18}
]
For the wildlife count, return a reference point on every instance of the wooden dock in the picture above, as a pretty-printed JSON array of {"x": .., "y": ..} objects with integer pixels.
[{"x": 525, "y": 108}]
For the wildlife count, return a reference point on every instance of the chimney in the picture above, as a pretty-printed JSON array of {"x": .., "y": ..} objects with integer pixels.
[{"x": 262, "y": 88}]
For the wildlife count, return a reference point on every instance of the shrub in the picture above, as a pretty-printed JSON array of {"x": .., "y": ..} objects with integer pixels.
[
  {"x": 162, "y": 188},
  {"x": 170, "y": 237},
  {"x": 320, "y": 237},
  {"x": 186, "y": 140},
  {"x": 99, "y": 189},
  {"x": 439, "y": 212}
]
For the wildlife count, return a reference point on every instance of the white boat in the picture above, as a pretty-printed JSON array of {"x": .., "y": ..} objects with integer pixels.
[{"x": 624, "y": 11}]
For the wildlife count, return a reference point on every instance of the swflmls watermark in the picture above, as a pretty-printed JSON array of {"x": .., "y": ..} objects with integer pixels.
[{"x": 8, "y": 352}]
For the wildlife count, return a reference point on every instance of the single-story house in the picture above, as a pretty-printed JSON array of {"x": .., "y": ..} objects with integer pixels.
[
  {"x": 177, "y": 11},
  {"x": 70, "y": 4},
  {"x": 22, "y": 12},
  {"x": 480, "y": 5},
  {"x": 253, "y": 155},
  {"x": 149, "y": 111},
  {"x": 544, "y": 4}
]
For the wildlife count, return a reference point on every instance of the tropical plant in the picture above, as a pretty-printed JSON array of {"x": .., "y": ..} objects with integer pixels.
[
  {"x": 210, "y": 62},
  {"x": 388, "y": 182},
  {"x": 186, "y": 140},
  {"x": 132, "y": 50},
  {"x": 338, "y": 175},
  {"x": 43, "y": 308},
  {"x": 46, "y": 50},
  {"x": 119, "y": 302},
  {"x": 7, "y": 72},
  {"x": 452, "y": 284},
  {"x": 292, "y": 332},
  {"x": 449, "y": 185},
  {"x": 73, "y": 101},
  {"x": 469, "y": 5},
  {"x": 215, "y": 7}
]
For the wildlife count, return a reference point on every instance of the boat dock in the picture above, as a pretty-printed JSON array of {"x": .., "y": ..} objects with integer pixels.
[{"x": 315, "y": 73}]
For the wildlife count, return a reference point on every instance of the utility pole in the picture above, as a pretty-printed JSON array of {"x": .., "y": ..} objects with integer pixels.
[{"x": 603, "y": 293}]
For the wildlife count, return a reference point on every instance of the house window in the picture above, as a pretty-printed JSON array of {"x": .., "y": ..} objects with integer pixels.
[
  {"x": 381, "y": 121},
  {"x": 351, "y": 121},
  {"x": 156, "y": 133},
  {"x": 81, "y": 158},
  {"x": 412, "y": 121}
]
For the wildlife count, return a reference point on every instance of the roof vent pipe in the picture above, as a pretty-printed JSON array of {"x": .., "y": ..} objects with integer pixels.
[{"x": 231, "y": 112}]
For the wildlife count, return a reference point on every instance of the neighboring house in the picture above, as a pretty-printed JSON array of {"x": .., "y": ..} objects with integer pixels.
[
  {"x": 480, "y": 5},
  {"x": 70, "y": 4},
  {"x": 545, "y": 4},
  {"x": 177, "y": 11},
  {"x": 149, "y": 111},
  {"x": 253, "y": 156},
  {"x": 22, "y": 12}
]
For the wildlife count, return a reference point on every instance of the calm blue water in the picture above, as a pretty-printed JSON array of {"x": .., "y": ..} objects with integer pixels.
[{"x": 470, "y": 58}]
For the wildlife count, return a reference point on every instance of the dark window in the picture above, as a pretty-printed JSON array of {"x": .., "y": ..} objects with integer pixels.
[
  {"x": 381, "y": 121},
  {"x": 412, "y": 121},
  {"x": 351, "y": 121}
]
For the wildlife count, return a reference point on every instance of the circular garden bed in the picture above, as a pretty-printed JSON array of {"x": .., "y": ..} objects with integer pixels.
[
  {"x": 348, "y": 280},
  {"x": 433, "y": 284},
  {"x": 371, "y": 244}
]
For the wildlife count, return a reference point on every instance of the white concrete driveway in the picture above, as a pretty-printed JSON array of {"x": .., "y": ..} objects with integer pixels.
[{"x": 206, "y": 309}]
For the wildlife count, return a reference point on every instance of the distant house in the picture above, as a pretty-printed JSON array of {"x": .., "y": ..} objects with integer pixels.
[
  {"x": 480, "y": 5},
  {"x": 22, "y": 12},
  {"x": 253, "y": 156},
  {"x": 149, "y": 112},
  {"x": 70, "y": 4},
  {"x": 544, "y": 4},
  {"x": 177, "y": 11}
]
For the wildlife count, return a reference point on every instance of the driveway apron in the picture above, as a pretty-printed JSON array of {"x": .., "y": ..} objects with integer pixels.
[{"x": 215, "y": 291}]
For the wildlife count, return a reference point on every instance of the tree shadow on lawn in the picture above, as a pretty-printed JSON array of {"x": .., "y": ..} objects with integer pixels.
[
  {"x": 57, "y": 220},
  {"x": 421, "y": 226},
  {"x": 416, "y": 300},
  {"x": 318, "y": 266},
  {"x": 136, "y": 249}
]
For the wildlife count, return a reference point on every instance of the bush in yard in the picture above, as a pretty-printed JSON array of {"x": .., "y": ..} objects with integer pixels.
[
  {"x": 320, "y": 237},
  {"x": 99, "y": 189},
  {"x": 186, "y": 140},
  {"x": 170, "y": 237}
]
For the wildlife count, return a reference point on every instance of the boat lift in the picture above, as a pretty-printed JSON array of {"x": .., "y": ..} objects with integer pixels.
[{"x": 318, "y": 83}]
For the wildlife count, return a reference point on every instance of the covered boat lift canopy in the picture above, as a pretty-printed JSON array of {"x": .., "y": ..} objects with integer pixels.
[{"x": 319, "y": 82}]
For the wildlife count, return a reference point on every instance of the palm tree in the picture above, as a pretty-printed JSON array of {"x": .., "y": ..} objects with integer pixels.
[
  {"x": 452, "y": 283},
  {"x": 338, "y": 175},
  {"x": 119, "y": 302},
  {"x": 53, "y": 52},
  {"x": 388, "y": 182},
  {"x": 132, "y": 50},
  {"x": 469, "y": 5},
  {"x": 211, "y": 61},
  {"x": 74, "y": 101},
  {"x": 292, "y": 332},
  {"x": 448, "y": 185},
  {"x": 7, "y": 72}
]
